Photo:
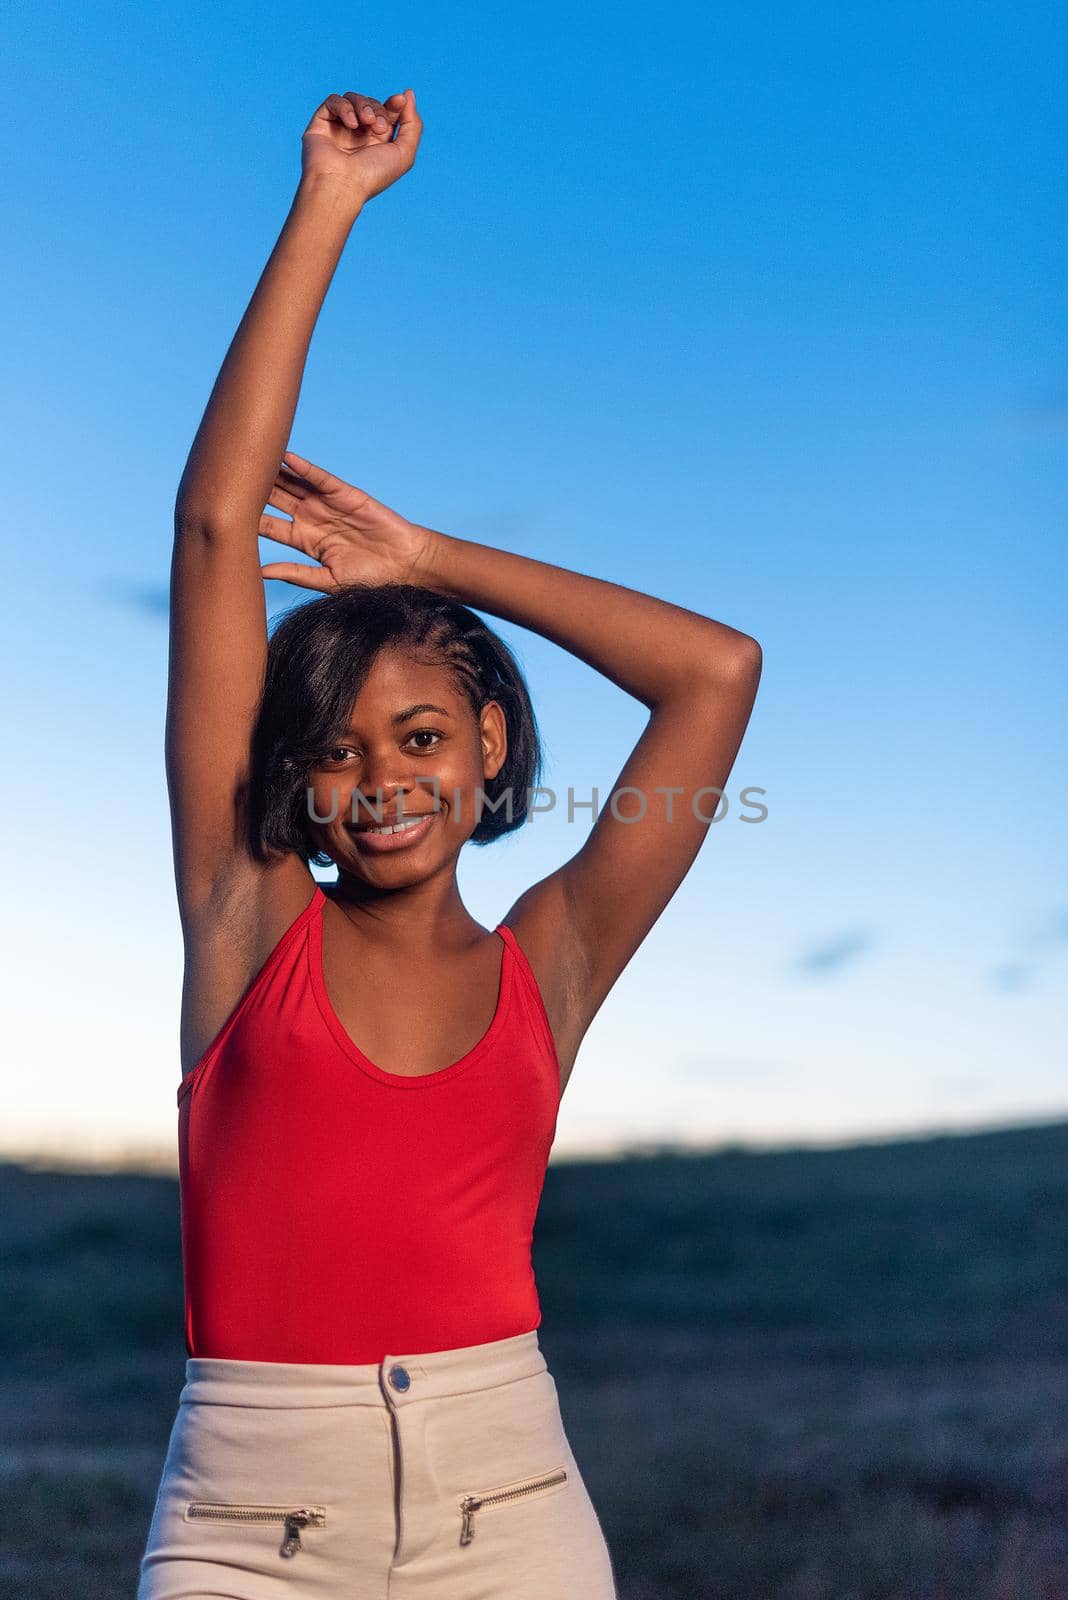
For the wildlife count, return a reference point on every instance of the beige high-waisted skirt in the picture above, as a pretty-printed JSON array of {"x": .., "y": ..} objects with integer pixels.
[{"x": 441, "y": 1476}]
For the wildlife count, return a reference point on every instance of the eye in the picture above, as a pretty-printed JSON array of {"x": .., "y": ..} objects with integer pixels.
[
  {"x": 338, "y": 754},
  {"x": 427, "y": 733}
]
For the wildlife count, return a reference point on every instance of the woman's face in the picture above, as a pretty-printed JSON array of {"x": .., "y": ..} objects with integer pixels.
[{"x": 410, "y": 729}]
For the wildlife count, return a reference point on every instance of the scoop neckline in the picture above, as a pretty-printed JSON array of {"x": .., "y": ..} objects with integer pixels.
[{"x": 401, "y": 1080}]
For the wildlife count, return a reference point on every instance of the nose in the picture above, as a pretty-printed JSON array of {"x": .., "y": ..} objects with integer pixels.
[{"x": 380, "y": 785}]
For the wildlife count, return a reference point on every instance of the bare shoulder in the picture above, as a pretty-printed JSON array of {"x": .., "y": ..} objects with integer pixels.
[
  {"x": 540, "y": 924},
  {"x": 228, "y": 940}
]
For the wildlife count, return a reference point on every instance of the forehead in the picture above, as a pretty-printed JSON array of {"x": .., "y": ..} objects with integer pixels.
[{"x": 396, "y": 681}]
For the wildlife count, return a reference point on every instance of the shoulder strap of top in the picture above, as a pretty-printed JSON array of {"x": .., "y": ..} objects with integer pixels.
[{"x": 530, "y": 985}]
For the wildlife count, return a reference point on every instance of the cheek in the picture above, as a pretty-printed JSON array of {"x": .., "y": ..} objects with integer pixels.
[
  {"x": 464, "y": 770},
  {"x": 331, "y": 794},
  {"x": 458, "y": 777},
  {"x": 457, "y": 765}
]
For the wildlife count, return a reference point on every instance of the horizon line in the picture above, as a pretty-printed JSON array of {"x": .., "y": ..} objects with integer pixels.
[{"x": 158, "y": 1160}]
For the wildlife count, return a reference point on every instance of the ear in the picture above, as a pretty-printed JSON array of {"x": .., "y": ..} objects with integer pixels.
[{"x": 493, "y": 730}]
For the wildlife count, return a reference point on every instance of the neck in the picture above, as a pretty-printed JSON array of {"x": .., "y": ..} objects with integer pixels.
[{"x": 422, "y": 915}]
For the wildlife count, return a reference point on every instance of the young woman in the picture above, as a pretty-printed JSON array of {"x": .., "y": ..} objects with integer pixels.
[{"x": 371, "y": 1078}]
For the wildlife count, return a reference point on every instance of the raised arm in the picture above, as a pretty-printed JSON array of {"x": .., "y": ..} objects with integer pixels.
[
  {"x": 698, "y": 677},
  {"x": 352, "y": 149}
]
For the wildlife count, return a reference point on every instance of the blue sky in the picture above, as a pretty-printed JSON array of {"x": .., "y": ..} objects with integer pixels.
[{"x": 759, "y": 309}]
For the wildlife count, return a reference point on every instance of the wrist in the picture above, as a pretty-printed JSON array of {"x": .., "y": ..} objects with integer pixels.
[
  {"x": 331, "y": 194},
  {"x": 433, "y": 566}
]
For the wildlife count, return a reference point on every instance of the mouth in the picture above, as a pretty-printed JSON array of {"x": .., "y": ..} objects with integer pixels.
[{"x": 400, "y": 834}]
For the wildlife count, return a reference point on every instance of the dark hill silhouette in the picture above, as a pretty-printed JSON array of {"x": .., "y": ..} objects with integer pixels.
[{"x": 789, "y": 1375}]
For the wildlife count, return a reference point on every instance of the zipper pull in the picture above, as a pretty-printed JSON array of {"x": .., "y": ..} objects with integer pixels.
[
  {"x": 469, "y": 1505},
  {"x": 295, "y": 1520}
]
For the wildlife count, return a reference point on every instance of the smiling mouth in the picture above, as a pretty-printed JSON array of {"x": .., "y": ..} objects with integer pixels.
[
  {"x": 394, "y": 827},
  {"x": 389, "y": 838}
]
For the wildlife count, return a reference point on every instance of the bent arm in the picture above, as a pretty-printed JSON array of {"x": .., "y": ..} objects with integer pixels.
[
  {"x": 649, "y": 647},
  {"x": 218, "y": 629},
  {"x": 699, "y": 679}
]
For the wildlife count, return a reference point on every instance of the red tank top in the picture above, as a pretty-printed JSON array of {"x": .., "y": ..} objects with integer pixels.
[{"x": 333, "y": 1212}]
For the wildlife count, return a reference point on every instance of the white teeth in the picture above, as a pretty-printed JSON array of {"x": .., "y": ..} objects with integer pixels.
[{"x": 397, "y": 827}]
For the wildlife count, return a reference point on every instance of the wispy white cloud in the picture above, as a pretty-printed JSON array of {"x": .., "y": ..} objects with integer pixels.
[
  {"x": 1046, "y": 939},
  {"x": 834, "y": 955},
  {"x": 151, "y": 599}
]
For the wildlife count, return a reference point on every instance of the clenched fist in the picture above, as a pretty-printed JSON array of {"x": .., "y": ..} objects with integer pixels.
[{"x": 364, "y": 143}]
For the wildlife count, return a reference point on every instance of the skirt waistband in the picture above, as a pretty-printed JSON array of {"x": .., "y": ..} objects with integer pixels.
[{"x": 394, "y": 1381}]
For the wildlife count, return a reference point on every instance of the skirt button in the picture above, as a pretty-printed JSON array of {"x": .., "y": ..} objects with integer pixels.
[{"x": 399, "y": 1378}]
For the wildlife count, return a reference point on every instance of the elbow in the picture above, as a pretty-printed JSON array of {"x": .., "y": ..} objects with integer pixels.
[
  {"x": 191, "y": 517},
  {"x": 211, "y": 525},
  {"x": 730, "y": 672},
  {"x": 723, "y": 660},
  {"x": 754, "y": 656},
  {"x": 749, "y": 650},
  {"x": 739, "y": 662}
]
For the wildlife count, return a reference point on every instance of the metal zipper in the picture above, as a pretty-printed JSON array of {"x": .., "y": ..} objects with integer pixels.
[
  {"x": 294, "y": 1518},
  {"x": 472, "y": 1502}
]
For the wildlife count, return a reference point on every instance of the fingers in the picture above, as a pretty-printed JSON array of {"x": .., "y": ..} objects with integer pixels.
[
  {"x": 286, "y": 495},
  {"x": 370, "y": 114},
  {"x": 318, "y": 477},
  {"x": 288, "y": 490},
  {"x": 340, "y": 108},
  {"x": 395, "y": 119},
  {"x": 305, "y": 577},
  {"x": 281, "y": 531},
  {"x": 362, "y": 113},
  {"x": 409, "y": 124}
]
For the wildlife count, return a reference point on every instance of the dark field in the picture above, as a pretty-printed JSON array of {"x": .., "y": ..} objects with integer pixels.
[{"x": 813, "y": 1375}]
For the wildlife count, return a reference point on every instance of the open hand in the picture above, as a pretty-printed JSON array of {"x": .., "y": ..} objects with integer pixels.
[
  {"x": 366, "y": 143},
  {"x": 353, "y": 537}
]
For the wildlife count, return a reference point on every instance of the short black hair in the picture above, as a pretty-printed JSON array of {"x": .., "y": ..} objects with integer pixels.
[{"x": 318, "y": 658}]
